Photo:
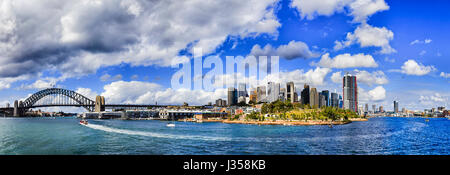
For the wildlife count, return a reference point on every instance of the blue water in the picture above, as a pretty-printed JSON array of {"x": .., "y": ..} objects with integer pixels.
[{"x": 377, "y": 136}]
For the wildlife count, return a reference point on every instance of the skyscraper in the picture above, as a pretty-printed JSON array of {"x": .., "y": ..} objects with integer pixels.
[
  {"x": 290, "y": 90},
  {"x": 273, "y": 91},
  {"x": 282, "y": 95},
  {"x": 326, "y": 96},
  {"x": 314, "y": 98},
  {"x": 232, "y": 96},
  {"x": 396, "y": 106},
  {"x": 242, "y": 90},
  {"x": 322, "y": 101},
  {"x": 366, "y": 109},
  {"x": 350, "y": 91},
  {"x": 261, "y": 94},
  {"x": 334, "y": 100},
  {"x": 305, "y": 95},
  {"x": 253, "y": 95}
]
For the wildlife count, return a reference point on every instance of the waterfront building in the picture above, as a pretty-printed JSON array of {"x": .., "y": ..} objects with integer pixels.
[
  {"x": 366, "y": 109},
  {"x": 341, "y": 103},
  {"x": 290, "y": 92},
  {"x": 441, "y": 108},
  {"x": 305, "y": 95},
  {"x": 314, "y": 98},
  {"x": 322, "y": 101},
  {"x": 282, "y": 95},
  {"x": 350, "y": 92},
  {"x": 295, "y": 97},
  {"x": 261, "y": 94},
  {"x": 334, "y": 100},
  {"x": 253, "y": 96},
  {"x": 374, "y": 108},
  {"x": 242, "y": 91},
  {"x": 326, "y": 96},
  {"x": 273, "y": 91},
  {"x": 395, "y": 106},
  {"x": 232, "y": 96},
  {"x": 381, "y": 109}
]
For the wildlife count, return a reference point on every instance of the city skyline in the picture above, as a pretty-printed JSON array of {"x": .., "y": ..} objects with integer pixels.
[{"x": 397, "y": 51}]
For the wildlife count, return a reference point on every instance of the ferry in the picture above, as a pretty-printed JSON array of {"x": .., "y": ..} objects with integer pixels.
[{"x": 83, "y": 122}]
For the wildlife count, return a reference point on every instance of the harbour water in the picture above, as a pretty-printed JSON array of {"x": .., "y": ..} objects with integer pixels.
[{"x": 384, "y": 135}]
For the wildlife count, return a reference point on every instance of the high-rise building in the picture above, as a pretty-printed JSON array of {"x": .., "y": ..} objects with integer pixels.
[
  {"x": 282, "y": 95},
  {"x": 334, "y": 100},
  {"x": 326, "y": 96},
  {"x": 290, "y": 91},
  {"x": 350, "y": 91},
  {"x": 341, "y": 103},
  {"x": 395, "y": 106},
  {"x": 232, "y": 96},
  {"x": 374, "y": 108},
  {"x": 305, "y": 95},
  {"x": 322, "y": 101},
  {"x": 253, "y": 95},
  {"x": 242, "y": 91},
  {"x": 295, "y": 97},
  {"x": 381, "y": 109},
  {"x": 366, "y": 108},
  {"x": 273, "y": 91},
  {"x": 221, "y": 103},
  {"x": 261, "y": 94},
  {"x": 313, "y": 98}
]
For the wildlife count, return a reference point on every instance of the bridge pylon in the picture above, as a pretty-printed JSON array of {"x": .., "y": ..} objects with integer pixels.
[{"x": 99, "y": 103}]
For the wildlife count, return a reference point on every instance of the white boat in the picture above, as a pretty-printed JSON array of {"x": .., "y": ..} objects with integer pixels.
[
  {"x": 170, "y": 125},
  {"x": 83, "y": 122}
]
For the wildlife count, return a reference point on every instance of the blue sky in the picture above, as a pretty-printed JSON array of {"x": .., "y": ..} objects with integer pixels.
[{"x": 124, "y": 51}]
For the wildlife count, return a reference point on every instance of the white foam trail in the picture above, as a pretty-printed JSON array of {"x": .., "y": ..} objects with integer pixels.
[{"x": 152, "y": 134}]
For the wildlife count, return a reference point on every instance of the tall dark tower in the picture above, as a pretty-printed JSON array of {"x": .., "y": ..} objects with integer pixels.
[
  {"x": 350, "y": 92},
  {"x": 305, "y": 95}
]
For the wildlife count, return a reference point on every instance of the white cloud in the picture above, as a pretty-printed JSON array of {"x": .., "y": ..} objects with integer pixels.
[
  {"x": 87, "y": 93},
  {"x": 375, "y": 95},
  {"x": 78, "y": 37},
  {"x": 293, "y": 50},
  {"x": 426, "y": 41},
  {"x": 376, "y": 77},
  {"x": 362, "y": 9},
  {"x": 411, "y": 67},
  {"x": 445, "y": 75},
  {"x": 336, "y": 77},
  {"x": 433, "y": 100},
  {"x": 368, "y": 36},
  {"x": 108, "y": 77},
  {"x": 150, "y": 93},
  {"x": 346, "y": 61},
  {"x": 359, "y": 9}
]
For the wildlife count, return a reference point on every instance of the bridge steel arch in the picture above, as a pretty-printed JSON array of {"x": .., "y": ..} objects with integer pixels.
[{"x": 82, "y": 101}]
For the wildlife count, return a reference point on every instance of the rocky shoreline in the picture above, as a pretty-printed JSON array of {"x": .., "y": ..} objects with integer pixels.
[{"x": 282, "y": 122}]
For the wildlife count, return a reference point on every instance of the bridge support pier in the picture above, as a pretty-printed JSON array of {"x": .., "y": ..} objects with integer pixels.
[
  {"x": 18, "y": 108},
  {"x": 99, "y": 103}
]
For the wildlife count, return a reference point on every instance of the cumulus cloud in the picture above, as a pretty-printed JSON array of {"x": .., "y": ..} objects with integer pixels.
[
  {"x": 370, "y": 78},
  {"x": 362, "y": 76},
  {"x": 375, "y": 95},
  {"x": 445, "y": 75},
  {"x": 359, "y": 9},
  {"x": 346, "y": 61},
  {"x": 293, "y": 50},
  {"x": 368, "y": 36},
  {"x": 336, "y": 77},
  {"x": 150, "y": 93},
  {"x": 87, "y": 93},
  {"x": 411, "y": 67},
  {"x": 433, "y": 100},
  {"x": 78, "y": 37}
]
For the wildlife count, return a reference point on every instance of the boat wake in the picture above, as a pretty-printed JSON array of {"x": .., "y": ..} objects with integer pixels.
[{"x": 152, "y": 134}]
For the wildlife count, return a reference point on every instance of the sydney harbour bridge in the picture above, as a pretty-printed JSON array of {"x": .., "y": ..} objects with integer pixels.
[{"x": 57, "y": 97}]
